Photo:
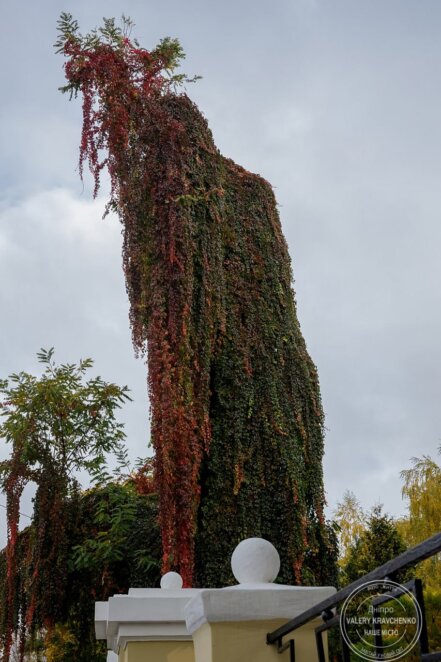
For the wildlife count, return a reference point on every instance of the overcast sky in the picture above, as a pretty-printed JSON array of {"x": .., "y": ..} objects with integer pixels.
[{"x": 338, "y": 104}]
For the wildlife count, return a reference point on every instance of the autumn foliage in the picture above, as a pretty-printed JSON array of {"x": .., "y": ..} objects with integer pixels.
[
  {"x": 237, "y": 422},
  {"x": 56, "y": 425}
]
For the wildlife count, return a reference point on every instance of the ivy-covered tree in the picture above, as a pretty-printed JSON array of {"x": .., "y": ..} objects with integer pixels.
[
  {"x": 56, "y": 424},
  {"x": 237, "y": 420}
]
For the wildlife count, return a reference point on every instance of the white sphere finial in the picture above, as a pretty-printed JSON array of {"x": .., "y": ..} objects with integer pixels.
[
  {"x": 255, "y": 561},
  {"x": 171, "y": 580}
]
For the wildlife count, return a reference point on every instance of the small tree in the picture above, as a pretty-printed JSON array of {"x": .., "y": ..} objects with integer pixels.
[
  {"x": 351, "y": 521},
  {"x": 57, "y": 424},
  {"x": 378, "y": 543}
]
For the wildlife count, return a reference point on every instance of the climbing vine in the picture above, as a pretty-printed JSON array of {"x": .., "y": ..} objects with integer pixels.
[
  {"x": 237, "y": 422},
  {"x": 113, "y": 544},
  {"x": 56, "y": 424}
]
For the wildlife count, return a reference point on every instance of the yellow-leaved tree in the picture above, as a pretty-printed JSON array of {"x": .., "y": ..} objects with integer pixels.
[
  {"x": 351, "y": 520},
  {"x": 422, "y": 490}
]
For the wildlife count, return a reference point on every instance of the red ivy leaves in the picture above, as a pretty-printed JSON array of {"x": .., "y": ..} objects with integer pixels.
[
  {"x": 127, "y": 130},
  {"x": 114, "y": 82}
]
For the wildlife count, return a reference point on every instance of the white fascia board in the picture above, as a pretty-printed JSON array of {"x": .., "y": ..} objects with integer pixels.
[
  {"x": 252, "y": 603},
  {"x": 158, "y": 608},
  {"x": 101, "y": 613},
  {"x": 162, "y": 592},
  {"x": 150, "y": 632},
  {"x": 143, "y": 615}
]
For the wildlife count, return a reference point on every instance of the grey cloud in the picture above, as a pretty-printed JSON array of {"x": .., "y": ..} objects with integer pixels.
[{"x": 337, "y": 105}]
